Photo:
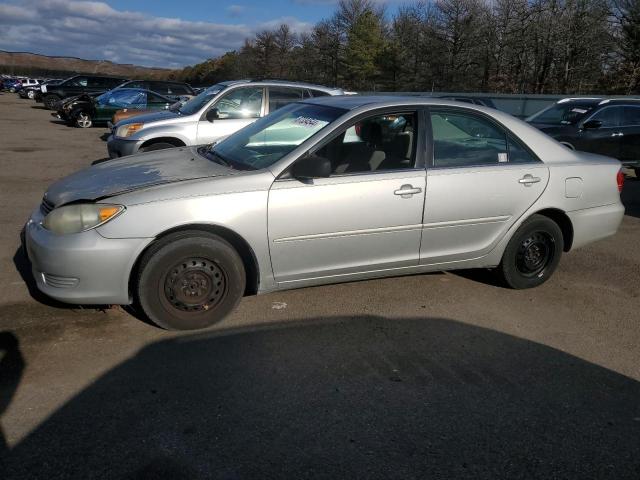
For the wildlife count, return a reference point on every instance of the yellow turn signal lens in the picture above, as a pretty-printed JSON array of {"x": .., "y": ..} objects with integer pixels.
[{"x": 106, "y": 213}]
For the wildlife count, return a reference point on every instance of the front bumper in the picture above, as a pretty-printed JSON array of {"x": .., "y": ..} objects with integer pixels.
[
  {"x": 121, "y": 147},
  {"x": 83, "y": 268}
]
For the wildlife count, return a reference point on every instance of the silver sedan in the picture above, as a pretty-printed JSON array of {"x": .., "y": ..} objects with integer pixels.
[{"x": 327, "y": 190}]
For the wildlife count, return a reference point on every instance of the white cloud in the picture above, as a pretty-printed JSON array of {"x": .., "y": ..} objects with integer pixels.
[
  {"x": 95, "y": 30},
  {"x": 236, "y": 10}
]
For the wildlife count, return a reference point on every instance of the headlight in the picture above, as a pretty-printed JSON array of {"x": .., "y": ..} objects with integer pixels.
[
  {"x": 128, "y": 130},
  {"x": 80, "y": 217}
]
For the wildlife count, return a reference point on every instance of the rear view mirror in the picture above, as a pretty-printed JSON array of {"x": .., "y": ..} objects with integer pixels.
[
  {"x": 311, "y": 166},
  {"x": 591, "y": 124}
]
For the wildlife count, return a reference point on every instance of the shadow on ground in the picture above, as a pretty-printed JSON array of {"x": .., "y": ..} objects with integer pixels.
[
  {"x": 361, "y": 397},
  {"x": 11, "y": 369}
]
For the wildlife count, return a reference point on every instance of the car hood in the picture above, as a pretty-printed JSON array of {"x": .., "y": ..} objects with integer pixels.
[
  {"x": 152, "y": 117},
  {"x": 126, "y": 174}
]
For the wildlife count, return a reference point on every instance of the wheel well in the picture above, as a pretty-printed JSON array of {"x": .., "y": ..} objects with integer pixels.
[
  {"x": 240, "y": 244},
  {"x": 173, "y": 141},
  {"x": 564, "y": 222}
]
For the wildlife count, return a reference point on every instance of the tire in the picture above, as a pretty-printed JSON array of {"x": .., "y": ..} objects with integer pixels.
[
  {"x": 83, "y": 120},
  {"x": 208, "y": 270},
  {"x": 532, "y": 254},
  {"x": 50, "y": 101},
  {"x": 157, "y": 146}
]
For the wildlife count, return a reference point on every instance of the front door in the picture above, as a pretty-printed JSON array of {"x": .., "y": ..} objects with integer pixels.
[
  {"x": 605, "y": 138},
  {"x": 482, "y": 179},
  {"x": 236, "y": 109},
  {"x": 365, "y": 217}
]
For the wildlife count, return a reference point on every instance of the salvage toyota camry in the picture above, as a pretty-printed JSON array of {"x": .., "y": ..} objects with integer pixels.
[{"x": 322, "y": 191}]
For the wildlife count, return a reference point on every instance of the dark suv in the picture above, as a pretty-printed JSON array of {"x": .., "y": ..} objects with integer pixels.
[
  {"x": 174, "y": 90},
  {"x": 605, "y": 126},
  {"x": 77, "y": 85}
]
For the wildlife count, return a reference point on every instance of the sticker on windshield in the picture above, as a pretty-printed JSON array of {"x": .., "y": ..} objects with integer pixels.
[
  {"x": 306, "y": 122},
  {"x": 579, "y": 110}
]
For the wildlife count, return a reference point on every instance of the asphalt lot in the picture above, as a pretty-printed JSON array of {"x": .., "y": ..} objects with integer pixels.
[{"x": 427, "y": 376}]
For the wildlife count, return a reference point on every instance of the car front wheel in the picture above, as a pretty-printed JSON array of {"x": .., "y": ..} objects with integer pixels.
[
  {"x": 189, "y": 280},
  {"x": 50, "y": 101},
  {"x": 532, "y": 254},
  {"x": 83, "y": 120}
]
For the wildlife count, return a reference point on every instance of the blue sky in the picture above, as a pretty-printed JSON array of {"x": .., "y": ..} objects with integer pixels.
[{"x": 164, "y": 33}]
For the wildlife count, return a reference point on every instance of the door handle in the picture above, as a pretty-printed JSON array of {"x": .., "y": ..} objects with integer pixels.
[
  {"x": 617, "y": 134},
  {"x": 405, "y": 191},
  {"x": 528, "y": 179}
]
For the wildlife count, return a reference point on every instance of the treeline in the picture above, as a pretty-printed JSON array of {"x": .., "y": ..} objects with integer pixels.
[{"x": 505, "y": 46}]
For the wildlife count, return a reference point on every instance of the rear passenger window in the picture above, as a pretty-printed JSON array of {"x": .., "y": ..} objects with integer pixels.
[
  {"x": 631, "y": 116},
  {"x": 461, "y": 140},
  {"x": 518, "y": 153},
  {"x": 279, "y": 97},
  {"x": 319, "y": 93}
]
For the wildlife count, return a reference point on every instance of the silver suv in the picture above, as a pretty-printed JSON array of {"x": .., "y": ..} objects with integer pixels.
[{"x": 214, "y": 114}]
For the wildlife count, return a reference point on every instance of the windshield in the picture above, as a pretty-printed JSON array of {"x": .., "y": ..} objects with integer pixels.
[
  {"x": 266, "y": 141},
  {"x": 562, "y": 114},
  {"x": 122, "y": 98},
  {"x": 196, "y": 103}
]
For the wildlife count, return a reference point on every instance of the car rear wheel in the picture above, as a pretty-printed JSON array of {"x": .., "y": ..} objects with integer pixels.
[
  {"x": 83, "y": 120},
  {"x": 50, "y": 101},
  {"x": 157, "y": 146},
  {"x": 532, "y": 254},
  {"x": 190, "y": 280}
]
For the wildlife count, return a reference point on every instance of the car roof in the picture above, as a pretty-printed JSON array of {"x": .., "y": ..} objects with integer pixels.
[
  {"x": 283, "y": 83},
  {"x": 351, "y": 102},
  {"x": 594, "y": 101}
]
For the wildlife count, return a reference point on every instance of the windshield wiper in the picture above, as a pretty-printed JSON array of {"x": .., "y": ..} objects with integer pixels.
[{"x": 209, "y": 152}]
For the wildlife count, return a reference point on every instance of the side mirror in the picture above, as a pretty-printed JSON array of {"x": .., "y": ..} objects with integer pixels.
[
  {"x": 591, "y": 124},
  {"x": 311, "y": 166},
  {"x": 213, "y": 114}
]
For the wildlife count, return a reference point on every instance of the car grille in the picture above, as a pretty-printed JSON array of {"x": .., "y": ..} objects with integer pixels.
[{"x": 46, "y": 206}]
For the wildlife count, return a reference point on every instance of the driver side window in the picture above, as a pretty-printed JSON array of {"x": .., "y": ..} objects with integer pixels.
[
  {"x": 240, "y": 103},
  {"x": 375, "y": 144}
]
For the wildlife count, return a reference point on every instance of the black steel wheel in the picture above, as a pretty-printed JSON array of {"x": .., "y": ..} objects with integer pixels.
[
  {"x": 189, "y": 280},
  {"x": 532, "y": 254}
]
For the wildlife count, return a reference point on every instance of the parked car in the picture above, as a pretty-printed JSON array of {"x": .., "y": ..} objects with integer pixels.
[
  {"x": 605, "y": 126},
  {"x": 48, "y": 84},
  {"x": 173, "y": 90},
  {"x": 126, "y": 113},
  {"x": 314, "y": 194},
  {"x": 215, "y": 113},
  {"x": 11, "y": 84},
  {"x": 78, "y": 85},
  {"x": 25, "y": 83},
  {"x": 29, "y": 90},
  {"x": 86, "y": 111}
]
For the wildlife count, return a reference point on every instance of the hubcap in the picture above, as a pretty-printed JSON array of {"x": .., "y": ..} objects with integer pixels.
[
  {"x": 195, "y": 285},
  {"x": 534, "y": 254},
  {"x": 84, "y": 121}
]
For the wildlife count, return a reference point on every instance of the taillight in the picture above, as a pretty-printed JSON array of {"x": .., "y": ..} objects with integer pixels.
[{"x": 620, "y": 180}]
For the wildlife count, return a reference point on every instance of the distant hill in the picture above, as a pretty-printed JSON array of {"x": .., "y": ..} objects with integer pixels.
[{"x": 25, "y": 63}]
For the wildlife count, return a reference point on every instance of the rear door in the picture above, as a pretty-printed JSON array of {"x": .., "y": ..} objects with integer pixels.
[
  {"x": 605, "y": 139},
  {"x": 480, "y": 180},
  {"x": 236, "y": 109},
  {"x": 630, "y": 138}
]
